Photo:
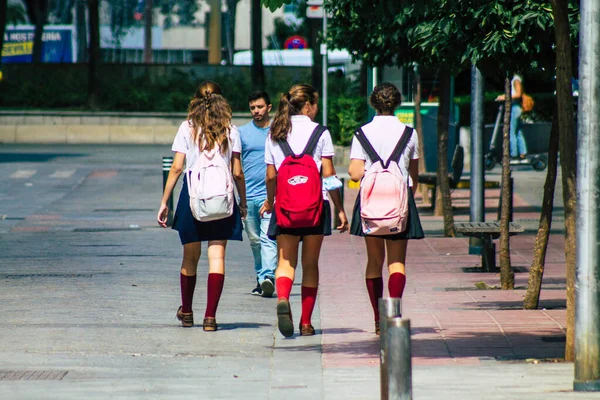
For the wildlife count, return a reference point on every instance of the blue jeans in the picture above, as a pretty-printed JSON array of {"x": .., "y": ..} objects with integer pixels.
[
  {"x": 264, "y": 249},
  {"x": 517, "y": 140}
]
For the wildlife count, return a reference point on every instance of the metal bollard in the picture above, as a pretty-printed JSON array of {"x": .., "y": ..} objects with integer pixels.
[
  {"x": 389, "y": 307},
  {"x": 399, "y": 359},
  {"x": 167, "y": 162},
  {"x": 336, "y": 218}
]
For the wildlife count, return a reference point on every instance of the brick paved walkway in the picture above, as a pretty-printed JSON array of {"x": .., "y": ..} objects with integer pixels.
[{"x": 452, "y": 321}]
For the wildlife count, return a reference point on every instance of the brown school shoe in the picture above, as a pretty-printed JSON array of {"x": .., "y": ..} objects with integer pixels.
[
  {"x": 307, "y": 330},
  {"x": 210, "y": 324},
  {"x": 187, "y": 319},
  {"x": 284, "y": 318},
  {"x": 377, "y": 328}
]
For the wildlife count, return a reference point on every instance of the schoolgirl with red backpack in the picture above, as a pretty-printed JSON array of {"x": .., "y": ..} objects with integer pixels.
[
  {"x": 299, "y": 156},
  {"x": 207, "y": 151},
  {"x": 384, "y": 158}
]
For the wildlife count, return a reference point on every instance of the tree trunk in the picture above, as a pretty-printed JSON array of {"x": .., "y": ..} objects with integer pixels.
[
  {"x": 94, "y": 54},
  {"x": 418, "y": 125},
  {"x": 214, "y": 33},
  {"x": 536, "y": 273},
  {"x": 82, "y": 45},
  {"x": 568, "y": 159},
  {"x": 230, "y": 29},
  {"x": 148, "y": 32},
  {"x": 3, "y": 7},
  {"x": 443, "y": 182},
  {"x": 258, "y": 68},
  {"x": 40, "y": 12},
  {"x": 507, "y": 276}
]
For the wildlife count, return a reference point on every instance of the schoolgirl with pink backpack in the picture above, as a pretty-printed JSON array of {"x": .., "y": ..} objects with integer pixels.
[
  {"x": 299, "y": 157},
  {"x": 207, "y": 151},
  {"x": 384, "y": 158}
]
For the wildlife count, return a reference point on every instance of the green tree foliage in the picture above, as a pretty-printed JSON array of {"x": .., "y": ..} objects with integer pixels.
[
  {"x": 15, "y": 14},
  {"x": 275, "y": 4}
]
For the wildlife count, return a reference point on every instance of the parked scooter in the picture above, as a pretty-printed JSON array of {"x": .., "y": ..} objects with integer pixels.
[{"x": 538, "y": 162}]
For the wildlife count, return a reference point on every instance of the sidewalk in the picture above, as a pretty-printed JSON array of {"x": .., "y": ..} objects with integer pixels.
[{"x": 466, "y": 343}]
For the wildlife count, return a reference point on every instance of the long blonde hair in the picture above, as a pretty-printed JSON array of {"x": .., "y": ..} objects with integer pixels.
[
  {"x": 209, "y": 116},
  {"x": 291, "y": 103}
]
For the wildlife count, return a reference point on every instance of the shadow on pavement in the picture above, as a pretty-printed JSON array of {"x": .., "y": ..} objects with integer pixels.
[
  {"x": 34, "y": 157},
  {"x": 240, "y": 325}
]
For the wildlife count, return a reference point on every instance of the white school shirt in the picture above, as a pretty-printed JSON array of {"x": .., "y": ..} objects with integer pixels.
[
  {"x": 302, "y": 128},
  {"x": 384, "y": 132},
  {"x": 183, "y": 144}
]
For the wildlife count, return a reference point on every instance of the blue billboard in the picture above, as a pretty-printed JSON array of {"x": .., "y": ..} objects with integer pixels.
[{"x": 58, "y": 44}]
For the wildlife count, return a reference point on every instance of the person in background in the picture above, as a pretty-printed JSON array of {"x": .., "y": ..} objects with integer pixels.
[
  {"x": 253, "y": 136},
  {"x": 518, "y": 147}
]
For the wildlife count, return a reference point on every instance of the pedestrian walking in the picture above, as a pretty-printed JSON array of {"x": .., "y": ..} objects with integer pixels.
[
  {"x": 204, "y": 142},
  {"x": 518, "y": 146},
  {"x": 297, "y": 152},
  {"x": 253, "y": 136},
  {"x": 384, "y": 157}
]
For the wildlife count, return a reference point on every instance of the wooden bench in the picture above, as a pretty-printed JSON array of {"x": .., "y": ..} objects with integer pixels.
[
  {"x": 487, "y": 232},
  {"x": 455, "y": 177}
]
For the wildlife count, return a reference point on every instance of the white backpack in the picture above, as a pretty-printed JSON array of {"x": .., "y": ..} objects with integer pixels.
[
  {"x": 210, "y": 186},
  {"x": 384, "y": 190}
]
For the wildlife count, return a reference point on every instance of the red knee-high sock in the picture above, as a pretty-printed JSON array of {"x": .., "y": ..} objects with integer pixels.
[
  {"x": 214, "y": 288},
  {"x": 188, "y": 284},
  {"x": 309, "y": 297},
  {"x": 283, "y": 284},
  {"x": 375, "y": 289},
  {"x": 396, "y": 284}
]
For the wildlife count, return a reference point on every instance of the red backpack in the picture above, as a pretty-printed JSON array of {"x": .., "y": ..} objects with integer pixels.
[{"x": 299, "y": 194}]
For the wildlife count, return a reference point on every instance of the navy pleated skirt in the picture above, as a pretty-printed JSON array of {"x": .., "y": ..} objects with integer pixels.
[
  {"x": 324, "y": 228},
  {"x": 191, "y": 230},
  {"x": 414, "y": 230}
]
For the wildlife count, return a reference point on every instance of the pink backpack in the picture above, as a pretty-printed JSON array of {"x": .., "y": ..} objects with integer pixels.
[
  {"x": 384, "y": 190},
  {"x": 210, "y": 186}
]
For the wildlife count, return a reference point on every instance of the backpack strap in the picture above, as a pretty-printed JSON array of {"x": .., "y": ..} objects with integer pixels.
[
  {"x": 314, "y": 139},
  {"x": 399, "y": 149},
  {"x": 285, "y": 147},
  {"x": 367, "y": 146},
  {"x": 310, "y": 145}
]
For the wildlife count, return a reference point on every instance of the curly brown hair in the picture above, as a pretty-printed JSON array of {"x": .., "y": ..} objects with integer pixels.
[
  {"x": 291, "y": 103},
  {"x": 385, "y": 98},
  {"x": 209, "y": 116}
]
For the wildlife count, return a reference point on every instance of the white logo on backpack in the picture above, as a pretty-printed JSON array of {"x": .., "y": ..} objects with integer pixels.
[{"x": 210, "y": 186}]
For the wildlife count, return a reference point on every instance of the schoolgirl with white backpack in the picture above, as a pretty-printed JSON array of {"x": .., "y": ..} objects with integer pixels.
[
  {"x": 384, "y": 158},
  {"x": 207, "y": 151},
  {"x": 299, "y": 157}
]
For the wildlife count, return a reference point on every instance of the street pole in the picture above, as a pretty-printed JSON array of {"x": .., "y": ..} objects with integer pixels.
[
  {"x": 325, "y": 65},
  {"x": 476, "y": 201},
  {"x": 148, "y": 32},
  {"x": 587, "y": 285},
  {"x": 371, "y": 83}
]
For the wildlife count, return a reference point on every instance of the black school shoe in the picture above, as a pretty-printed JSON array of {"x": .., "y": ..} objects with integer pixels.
[
  {"x": 284, "y": 318},
  {"x": 257, "y": 291},
  {"x": 267, "y": 287}
]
